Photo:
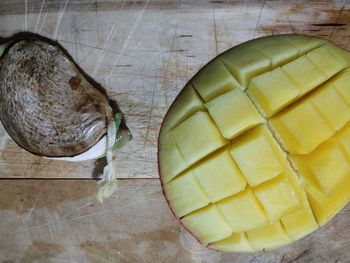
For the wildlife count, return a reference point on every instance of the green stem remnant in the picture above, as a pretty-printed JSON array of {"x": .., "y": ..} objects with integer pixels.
[
  {"x": 2, "y": 48},
  {"x": 108, "y": 183}
]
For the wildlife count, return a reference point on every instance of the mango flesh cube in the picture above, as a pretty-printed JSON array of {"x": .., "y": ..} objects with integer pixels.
[
  {"x": 277, "y": 197},
  {"x": 302, "y": 221},
  {"x": 341, "y": 83},
  {"x": 341, "y": 54},
  {"x": 219, "y": 176},
  {"x": 327, "y": 167},
  {"x": 245, "y": 63},
  {"x": 325, "y": 61},
  {"x": 258, "y": 156},
  {"x": 272, "y": 91},
  {"x": 214, "y": 80},
  {"x": 326, "y": 207},
  {"x": 233, "y": 113},
  {"x": 172, "y": 163},
  {"x": 303, "y": 43},
  {"x": 188, "y": 103},
  {"x": 242, "y": 211},
  {"x": 207, "y": 225},
  {"x": 279, "y": 52},
  {"x": 185, "y": 195},
  {"x": 255, "y": 151},
  {"x": 304, "y": 73},
  {"x": 197, "y": 137},
  {"x": 343, "y": 138},
  {"x": 301, "y": 128},
  {"x": 268, "y": 237},
  {"x": 329, "y": 102},
  {"x": 327, "y": 199},
  {"x": 237, "y": 242}
]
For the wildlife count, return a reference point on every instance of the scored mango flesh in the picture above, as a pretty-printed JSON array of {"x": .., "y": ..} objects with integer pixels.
[{"x": 255, "y": 151}]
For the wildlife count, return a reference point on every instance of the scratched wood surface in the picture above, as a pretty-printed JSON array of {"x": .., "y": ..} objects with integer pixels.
[
  {"x": 142, "y": 52},
  {"x": 60, "y": 221}
]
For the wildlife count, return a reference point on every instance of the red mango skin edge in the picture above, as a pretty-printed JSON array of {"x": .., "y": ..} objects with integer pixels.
[{"x": 161, "y": 127}]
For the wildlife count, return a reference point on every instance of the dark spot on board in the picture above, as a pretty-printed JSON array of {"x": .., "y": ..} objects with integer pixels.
[{"x": 329, "y": 24}]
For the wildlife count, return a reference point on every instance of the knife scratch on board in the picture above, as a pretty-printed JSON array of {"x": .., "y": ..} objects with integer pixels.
[
  {"x": 59, "y": 19},
  {"x": 39, "y": 16}
]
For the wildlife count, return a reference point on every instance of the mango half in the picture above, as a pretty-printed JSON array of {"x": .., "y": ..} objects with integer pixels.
[{"x": 254, "y": 153}]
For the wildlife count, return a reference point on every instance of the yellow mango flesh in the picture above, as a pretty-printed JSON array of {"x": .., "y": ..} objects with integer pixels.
[
  {"x": 242, "y": 211},
  {"x": 228, "y": 181},
  {"x": 255, "y": 151},
  {"x": 237, "y": 242},
  {"x": 233, "y": 113}
]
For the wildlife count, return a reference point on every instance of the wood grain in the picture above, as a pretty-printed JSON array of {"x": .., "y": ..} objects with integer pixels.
[
  {"x": 60, "y": 221},
  {"x": 145, "y": 53}
]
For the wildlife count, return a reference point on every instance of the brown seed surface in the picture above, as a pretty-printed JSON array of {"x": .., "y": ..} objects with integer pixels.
[{"x": 46, "y": 105}]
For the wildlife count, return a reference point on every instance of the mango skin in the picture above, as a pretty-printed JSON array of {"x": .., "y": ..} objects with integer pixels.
[{"x": 310, "y": 197}]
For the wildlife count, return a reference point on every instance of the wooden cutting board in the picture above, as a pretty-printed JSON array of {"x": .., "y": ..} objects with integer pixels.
[{"x": 142, "y": 52}]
